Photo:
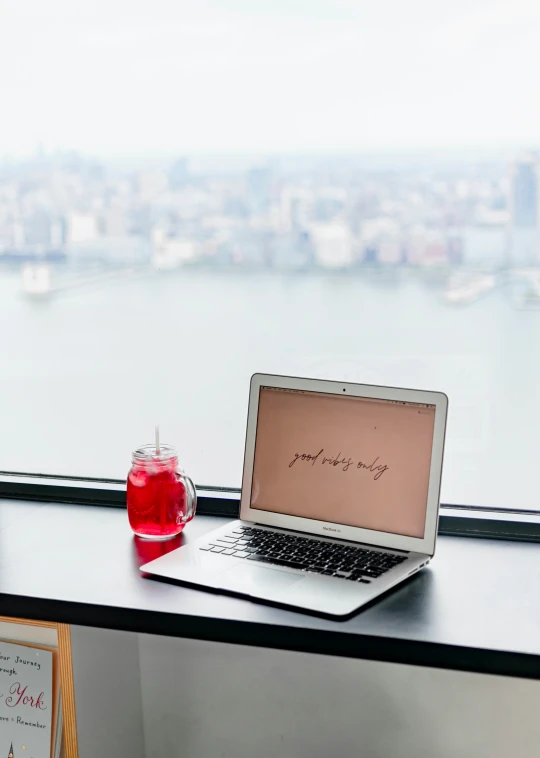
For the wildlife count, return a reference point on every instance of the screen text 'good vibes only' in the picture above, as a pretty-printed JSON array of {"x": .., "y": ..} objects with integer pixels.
[{"x": 345, "y": 463}]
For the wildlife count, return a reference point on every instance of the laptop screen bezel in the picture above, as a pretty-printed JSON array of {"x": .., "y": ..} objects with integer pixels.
[{"x": 327, "y": 528}]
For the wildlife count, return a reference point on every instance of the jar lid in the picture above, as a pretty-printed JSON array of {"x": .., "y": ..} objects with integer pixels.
[{"x": 149, "y": 453}]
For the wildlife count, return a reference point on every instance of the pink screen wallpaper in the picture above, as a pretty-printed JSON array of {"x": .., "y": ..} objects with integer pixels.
[{"x": 351, "y": 461}]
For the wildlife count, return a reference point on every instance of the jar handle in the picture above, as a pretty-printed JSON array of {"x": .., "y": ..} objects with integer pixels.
[{"x": 191, "y": 497}]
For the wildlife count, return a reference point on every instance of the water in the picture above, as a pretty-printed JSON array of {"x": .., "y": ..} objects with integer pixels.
[{"x": 85, "y": 376}]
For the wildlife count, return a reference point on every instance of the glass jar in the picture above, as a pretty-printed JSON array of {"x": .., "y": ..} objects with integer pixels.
[{"x": 161, "y": 499}]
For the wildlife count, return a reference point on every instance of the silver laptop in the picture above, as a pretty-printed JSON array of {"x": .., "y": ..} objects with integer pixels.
[{"x": 340, "y": 496}]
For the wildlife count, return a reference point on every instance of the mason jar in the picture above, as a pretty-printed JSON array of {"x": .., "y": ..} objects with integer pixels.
[{"x": 161, "y": 499}]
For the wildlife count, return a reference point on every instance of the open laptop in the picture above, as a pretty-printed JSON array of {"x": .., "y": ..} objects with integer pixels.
[{"x": 340, "y": 496}]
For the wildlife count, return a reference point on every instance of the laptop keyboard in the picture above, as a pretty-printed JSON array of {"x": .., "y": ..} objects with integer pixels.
[{"x": 355, "y": 563}]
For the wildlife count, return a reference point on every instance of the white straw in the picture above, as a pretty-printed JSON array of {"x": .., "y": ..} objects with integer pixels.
[{"x": 158, "y": 449}]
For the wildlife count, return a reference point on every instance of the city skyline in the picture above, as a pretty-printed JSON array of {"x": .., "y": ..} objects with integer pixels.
[{"x": 287, "y": 214}]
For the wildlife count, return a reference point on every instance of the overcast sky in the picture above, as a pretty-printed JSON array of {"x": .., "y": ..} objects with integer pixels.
[{"x": 114, "y": 77}]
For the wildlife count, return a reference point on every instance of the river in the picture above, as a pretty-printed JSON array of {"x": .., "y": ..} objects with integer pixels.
[{"x": 85, "y": 376}]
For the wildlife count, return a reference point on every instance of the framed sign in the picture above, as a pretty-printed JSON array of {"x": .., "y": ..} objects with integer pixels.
[{"x": 37, "y": 694}]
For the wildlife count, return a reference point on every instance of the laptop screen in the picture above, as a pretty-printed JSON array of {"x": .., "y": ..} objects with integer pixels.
[{"x": 354, "y": 461}]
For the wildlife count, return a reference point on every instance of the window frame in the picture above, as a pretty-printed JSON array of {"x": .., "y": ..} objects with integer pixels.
[{"x": 454, "y": 520}]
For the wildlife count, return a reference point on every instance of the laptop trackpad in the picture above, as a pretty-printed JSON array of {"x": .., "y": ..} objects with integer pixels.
[{"x": 256, "y": 580}]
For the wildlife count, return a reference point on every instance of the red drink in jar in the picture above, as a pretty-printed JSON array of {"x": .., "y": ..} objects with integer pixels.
[{"x": 161, "y": 499}]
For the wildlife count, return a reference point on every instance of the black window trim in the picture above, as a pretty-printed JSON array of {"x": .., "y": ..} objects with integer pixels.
[{"x": 454, "y": 520}]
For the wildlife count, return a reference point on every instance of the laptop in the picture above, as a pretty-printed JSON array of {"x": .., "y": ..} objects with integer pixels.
[{"x": 340, "y": 497}]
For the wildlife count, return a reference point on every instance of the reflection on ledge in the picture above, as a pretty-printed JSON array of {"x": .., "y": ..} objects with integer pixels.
[{"x": 145, "y": 551}]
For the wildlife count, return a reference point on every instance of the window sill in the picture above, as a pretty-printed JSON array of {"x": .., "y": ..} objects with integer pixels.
[
  {"x": 473, "y": 609},
  {"x": 454, "y": 520}
]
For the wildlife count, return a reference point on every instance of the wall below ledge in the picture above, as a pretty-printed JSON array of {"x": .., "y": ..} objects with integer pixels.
[{"x": 145, "y": 696}]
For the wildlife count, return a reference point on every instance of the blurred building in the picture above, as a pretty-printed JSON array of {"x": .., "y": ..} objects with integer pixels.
[
  {"x": 37, "y": 228},
  {"x": 333, "y": 245},
  {"x": 179, "y": 174},
  {"x": 18, "y": 235},
  {"x": 114, "y": 222},
  {"x": 381, "y": 241},
  {"x": 152, "y": 184},
  {"x": 296, "y": 209},
  {"x": 524, "y": 230},
  {"x": 110, "y": 251},
  {"x": 455, "y": 249},
  {"x": 171, "y": 252},
  {"x": 428, "y": 247},
  {"x": 246, "y": 247},
  {"x": 483, "y": 246},
  {"x": 330, "y": 204},
  {"x": 259, "y": 190},
  {"x": 292, "y": 251},
  {"x": 390, "y": 252},
  {"x": 436, "y": 251},
  {"x": 415, "y": 246},
  {"x": 82, "y": 227}
]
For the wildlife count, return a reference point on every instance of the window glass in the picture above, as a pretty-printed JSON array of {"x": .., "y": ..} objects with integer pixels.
[{"x": 193, "y": 192}]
